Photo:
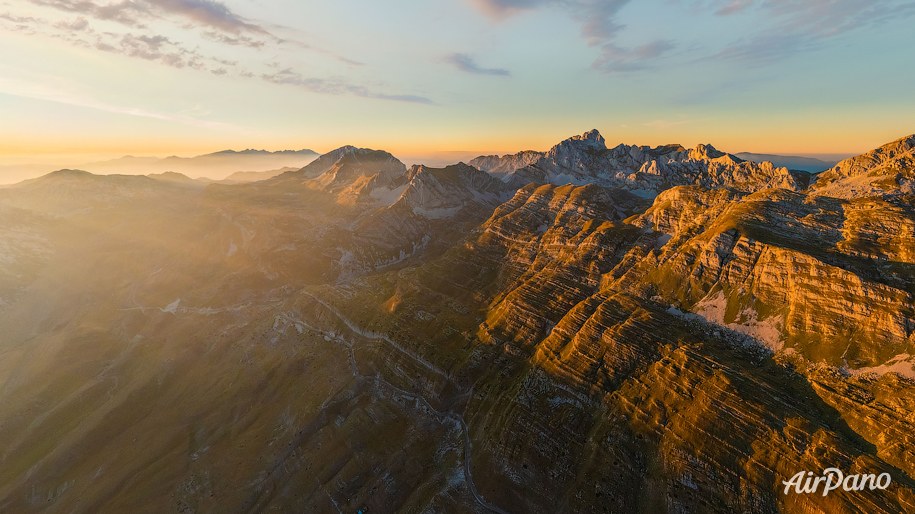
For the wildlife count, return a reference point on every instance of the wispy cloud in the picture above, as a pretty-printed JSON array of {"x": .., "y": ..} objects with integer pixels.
[
  {"x": 733, "y": 7},
  {"x": 234, "y": 40},
  {"x": 467, "y": 64},
  {"x": 156, "y": 48},
  {"x": 501, "y": 9},
  {"x": 617, "y": 58},
  {"x": 77, "y": 25},
  {"x": 795, "y": 27},
  {"x": 193, "y": 22},
  {"x": 600, "y": 28},
  {"x": 136, "y": 13},
  {"x": 125, "y": 12},
  {"x": 17, "y": 19},
  {"x": 46, "y": 90},
  {"x": 209, "y": 13},
  {"x": 290, "y": 77}
]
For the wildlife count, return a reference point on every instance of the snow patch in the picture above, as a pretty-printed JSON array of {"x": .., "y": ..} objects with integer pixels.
[
  {"x": 903, "y": 364},
  {"x": 346, "y": 257},
  {"x": 172, "y": 308},
  {"x": 387, "y": 195},
  {"x": 767, "y": 331}
]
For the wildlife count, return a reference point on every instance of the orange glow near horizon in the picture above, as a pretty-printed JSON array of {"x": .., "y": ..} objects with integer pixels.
[{"x": 20, "y": 151}]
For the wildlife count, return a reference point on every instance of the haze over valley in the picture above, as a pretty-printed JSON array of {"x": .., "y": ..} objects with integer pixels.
[{"x": 585, "y": 323}]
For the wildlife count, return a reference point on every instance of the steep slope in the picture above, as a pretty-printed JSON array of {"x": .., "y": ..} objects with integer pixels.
[
  {"x": 761, "y": 263},
  {"x": 589, "y": 390},
  {"x": 353, "y": 175},
  {"x": 441, "y": 193},
  {"x": 889, "y": 169},
  {"x": 435, "y": 208}
]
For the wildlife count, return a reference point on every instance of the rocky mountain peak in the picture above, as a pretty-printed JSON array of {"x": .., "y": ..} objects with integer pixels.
[
  {"x": 68, "y": 173},
  {"x": 705, "y": 152},
  {"x": 437, "y": 193},
  {"x": 361, "y": 160},
  {"x": 589, "y": 141},
  {"x": 593, "y": 136}
]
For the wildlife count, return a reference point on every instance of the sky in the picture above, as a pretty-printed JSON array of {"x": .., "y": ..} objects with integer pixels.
[{"x": 87, "y": 79}]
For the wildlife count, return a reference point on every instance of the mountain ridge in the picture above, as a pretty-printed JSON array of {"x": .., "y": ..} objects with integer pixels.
[
  {"x": 215, "y": 166},
  {"x": 585, "y": 158},
  {"x": 367, "y": 336}
]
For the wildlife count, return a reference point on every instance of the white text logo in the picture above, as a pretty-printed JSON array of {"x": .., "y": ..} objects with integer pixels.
[{"x": 832, "y": 479}]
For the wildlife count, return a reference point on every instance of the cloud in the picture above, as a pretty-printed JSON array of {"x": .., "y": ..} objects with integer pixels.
[
  {"x": 210, "y": 13},
  {"x": 792, "y": 27},
  {"x": 19, "y": 24},
  {"x": 124, "y": 12},
  {"x": 156, "y": 48},
  {"x": 239, "y": 40},
  {"x": 336, "y": 87},
  {"x": 136, "y": 13},
  {"x": 616, "y": 58},
  {"x": 17, "y": 19},
  {"x": 733, "y": 7},
  {"x": 212, "y": 21},
  {"x": 501, "y": 9},
  {"x": 768, "y": 47},
  {"x": 467, "y": 64},
  {"x": 600, "y": 28},
  {"x": 77, "y": 25}
]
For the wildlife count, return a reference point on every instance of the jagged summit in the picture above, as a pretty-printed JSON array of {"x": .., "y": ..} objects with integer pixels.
[
  {"x": 592, "y": 136},
  {"x": 706, "y": 151},
  {"x": 585, "y": 159}
]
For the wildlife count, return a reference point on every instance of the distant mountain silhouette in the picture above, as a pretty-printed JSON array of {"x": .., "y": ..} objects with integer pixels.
[{"x": 216, "y": 166}]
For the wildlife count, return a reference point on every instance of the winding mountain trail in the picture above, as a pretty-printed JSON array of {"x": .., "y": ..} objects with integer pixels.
[{"x": 397, "y": 392}]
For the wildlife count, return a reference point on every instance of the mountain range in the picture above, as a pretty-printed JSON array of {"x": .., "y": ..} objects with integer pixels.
[
  {"x": 216, "y": 166},
  {"x": 808, "y": 164},
  {"x": 586, "y": 329}
]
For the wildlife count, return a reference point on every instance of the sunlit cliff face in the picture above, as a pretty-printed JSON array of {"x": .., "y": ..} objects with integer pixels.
[{"x": 644, "y": 328}]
